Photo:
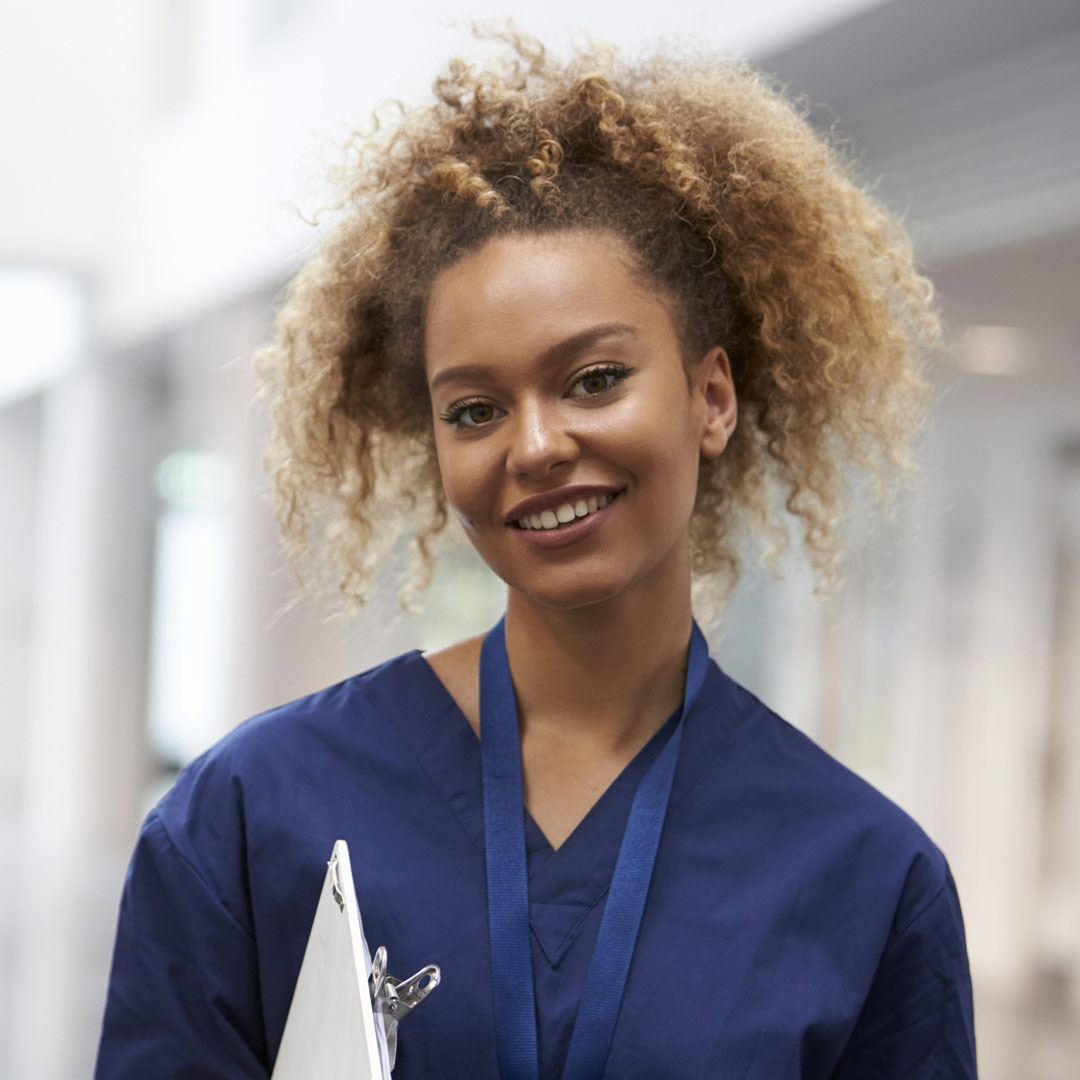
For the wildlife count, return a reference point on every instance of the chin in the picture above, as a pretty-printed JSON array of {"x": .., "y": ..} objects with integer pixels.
[{"x": 566, "y": 596}]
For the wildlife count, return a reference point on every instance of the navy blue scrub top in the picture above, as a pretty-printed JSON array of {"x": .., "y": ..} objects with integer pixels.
[{"x": 798, "y": 923}]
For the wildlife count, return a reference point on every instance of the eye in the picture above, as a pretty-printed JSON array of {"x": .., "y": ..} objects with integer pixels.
[
  {"x": 599, "y": 380},
  {"x": 477, "y": 413},
  {"x": 470, "y": 408}
]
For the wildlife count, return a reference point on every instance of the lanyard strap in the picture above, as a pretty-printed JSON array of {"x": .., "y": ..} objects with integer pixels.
[{"x": 508, "y": 885}]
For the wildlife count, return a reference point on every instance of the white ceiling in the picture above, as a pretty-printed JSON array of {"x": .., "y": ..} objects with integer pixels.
[{"x": 966, "y": 113}]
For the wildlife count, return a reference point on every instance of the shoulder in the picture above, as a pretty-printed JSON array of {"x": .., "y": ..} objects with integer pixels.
[
  {"x": 276, "y": 759},
  {"x": 344, "y": 705},
  {"x": 814, "y": 805}
]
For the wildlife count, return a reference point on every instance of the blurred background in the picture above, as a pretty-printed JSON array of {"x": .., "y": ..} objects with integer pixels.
[{"x": 155, "y": 154}]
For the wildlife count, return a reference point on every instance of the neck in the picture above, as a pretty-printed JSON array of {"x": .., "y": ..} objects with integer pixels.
[{"x": 610, "y": 672}]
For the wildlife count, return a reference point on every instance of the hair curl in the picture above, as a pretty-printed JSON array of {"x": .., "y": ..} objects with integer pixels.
[{"x": 756, "y": 226}]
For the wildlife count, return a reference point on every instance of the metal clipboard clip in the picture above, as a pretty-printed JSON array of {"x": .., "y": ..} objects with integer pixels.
[
  {"x": 396, "y": 998},
  {"x": 393, "y": 999}
]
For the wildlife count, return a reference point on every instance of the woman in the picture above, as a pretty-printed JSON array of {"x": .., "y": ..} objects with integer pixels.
[{"x": 603, "y": 313}]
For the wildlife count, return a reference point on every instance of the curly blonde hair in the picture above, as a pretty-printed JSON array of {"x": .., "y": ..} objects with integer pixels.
[{"x": 756, "y": 226}]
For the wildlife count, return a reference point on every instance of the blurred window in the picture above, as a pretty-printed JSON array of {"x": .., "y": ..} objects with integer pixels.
[{"x": 189, "y": 621}]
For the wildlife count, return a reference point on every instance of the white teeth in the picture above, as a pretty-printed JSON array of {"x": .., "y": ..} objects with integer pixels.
[{"x": 567, "y": 512}]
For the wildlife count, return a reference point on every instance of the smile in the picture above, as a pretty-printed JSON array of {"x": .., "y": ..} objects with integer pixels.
[
  {"x": 568, "y": 534},
  {"x": 565, "y": 514}
]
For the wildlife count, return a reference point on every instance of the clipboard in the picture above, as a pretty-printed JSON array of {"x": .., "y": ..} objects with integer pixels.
[{"x": 342, "y": 1021}]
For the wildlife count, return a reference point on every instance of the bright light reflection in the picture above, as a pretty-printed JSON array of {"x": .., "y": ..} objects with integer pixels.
[{"x": 43, "y": 316}]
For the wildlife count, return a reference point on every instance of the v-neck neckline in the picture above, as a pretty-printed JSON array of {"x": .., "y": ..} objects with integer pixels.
[
  {"x": 566, "y": 884},
  {"x": 541, "y": 850},
  {"x": 448, "y": 750}
]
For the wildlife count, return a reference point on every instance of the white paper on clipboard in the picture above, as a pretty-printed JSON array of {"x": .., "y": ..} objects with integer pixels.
[{"x": 332, "y": 1031}]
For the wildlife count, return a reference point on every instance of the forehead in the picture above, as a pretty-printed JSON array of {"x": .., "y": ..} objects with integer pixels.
[{"x": 526, "y": 291}]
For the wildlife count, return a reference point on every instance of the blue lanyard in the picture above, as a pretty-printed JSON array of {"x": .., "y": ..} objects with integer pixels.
[{"x": 508, "y": 886}]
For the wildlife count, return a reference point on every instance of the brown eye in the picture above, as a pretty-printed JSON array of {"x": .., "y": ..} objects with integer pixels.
[
  {"x": 469, "y": 414},
  {"x": 600, "y": 380}
]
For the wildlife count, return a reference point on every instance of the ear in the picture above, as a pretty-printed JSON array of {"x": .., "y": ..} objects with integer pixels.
[{"x": 714, "y": 383}]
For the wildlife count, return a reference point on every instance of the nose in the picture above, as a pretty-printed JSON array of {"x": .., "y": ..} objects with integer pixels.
[{"x": 540, "y": 439}]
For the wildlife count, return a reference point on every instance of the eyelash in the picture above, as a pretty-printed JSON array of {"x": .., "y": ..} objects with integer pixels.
[{"x": 617, "y": 371}]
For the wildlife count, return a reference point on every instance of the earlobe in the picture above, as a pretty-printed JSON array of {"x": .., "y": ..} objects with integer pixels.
[{"x": 721, "y": 407}]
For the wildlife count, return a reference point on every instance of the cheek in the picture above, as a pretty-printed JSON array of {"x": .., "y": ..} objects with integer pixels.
[
  {"x": 659, "y": 434},
  {"x": 465, "y": 478}
]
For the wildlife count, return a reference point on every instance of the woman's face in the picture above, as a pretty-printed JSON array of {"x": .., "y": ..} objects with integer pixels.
[{"x": 554, "y": 373}]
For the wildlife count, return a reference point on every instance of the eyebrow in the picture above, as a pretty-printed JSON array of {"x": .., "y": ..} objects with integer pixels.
[{"x": 556, "y": 354}]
